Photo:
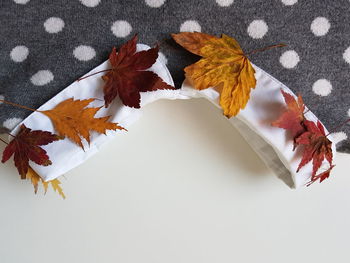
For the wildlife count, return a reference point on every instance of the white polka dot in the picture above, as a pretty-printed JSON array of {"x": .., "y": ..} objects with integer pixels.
[
  {"x": 289, "y": 59},
  {"x": 289, "y": 2},
  {"x": 19, "y": 53},
  {"x": 224, "y": 3},
  {"x": 90, "y": 3},
  {"x": 11, "y": 123},
  {"x": 190, "y": 26},
  {"x": 339, "y": 136},
  {"x": 257, "y": 29},
  {"x": 42, "y": 77},
  {"x": 322, "y": 87},
  {"x": 21, "y": 2},
  {"x": 1, "y": 98},
  {"x": 155, "y": 3},
  {"x": 54, "y": 25},
  {"x": 162, "y": 58},
  {"x": 121, "y": 28},
  {"x": 346, "y": 55},
  {"x": 84, "y": 53},
  {"x": 320, "y": 26}
]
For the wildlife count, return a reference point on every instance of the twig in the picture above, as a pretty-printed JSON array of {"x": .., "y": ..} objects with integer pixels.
[
  {"x": 11, "y": 135},
  {"x": 98, "y": 72},
  {"x": 264, "y": 49},
  {"x": 338, "y": 127},
  {"x": 3, "y": 141},
  {"x": 17, "y": 105}
]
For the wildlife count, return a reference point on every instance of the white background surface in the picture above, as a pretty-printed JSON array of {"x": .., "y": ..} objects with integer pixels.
[{"x": 181, "y": 186}]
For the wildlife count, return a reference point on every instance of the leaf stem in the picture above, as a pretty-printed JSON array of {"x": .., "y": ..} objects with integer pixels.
[
  {"x": 338, "y": 127},
  {"x": 306, "y": 111},
  {"x": 98, "y": 72},
  {"x": 3, "y": 141},
  {"x": 265, "y": 48},
  {"x": 11, "y": 135},
  {"x": 17, "y": 105}
]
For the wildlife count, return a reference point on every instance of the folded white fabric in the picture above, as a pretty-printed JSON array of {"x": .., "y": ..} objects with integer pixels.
[
  {"x": 254, "y": 122},
  {"x": 273, "y": 145}
]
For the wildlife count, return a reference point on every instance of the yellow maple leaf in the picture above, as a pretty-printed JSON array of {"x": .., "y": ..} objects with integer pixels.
[
  {"x": 223, "y": 66},
  {"x": 72, "y": 119},
  {"x": 35, "y": 179}
]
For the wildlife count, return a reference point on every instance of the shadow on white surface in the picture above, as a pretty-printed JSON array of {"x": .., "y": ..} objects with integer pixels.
[{"x": 181, "y": 186}]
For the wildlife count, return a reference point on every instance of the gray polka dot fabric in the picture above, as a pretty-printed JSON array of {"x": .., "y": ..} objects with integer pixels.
[{"x": 46, "y": 45}]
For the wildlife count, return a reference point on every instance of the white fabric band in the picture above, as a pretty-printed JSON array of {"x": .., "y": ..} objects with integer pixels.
[{"x": 254, "y": 123}]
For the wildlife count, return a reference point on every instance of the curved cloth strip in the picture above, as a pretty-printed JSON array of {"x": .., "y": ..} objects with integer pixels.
[
  {"x": 254, "y": 122},
  {"x": 272, "y": 144}
]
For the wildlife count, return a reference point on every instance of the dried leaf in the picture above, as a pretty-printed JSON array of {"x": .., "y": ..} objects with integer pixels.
[
  {"x": 128, "y": 76},
  {"x": 193, "y": 42},
  {"x": 25, "y": 146},
  {"x": 223, "y": 66},
  {"x": 72, "y": 119},
  {"x": 35, "y": 179},
  {"x": 322, "y": 176},
  {"x": 293, "y": 117},
  {"x": 55, "y": 186},
  {"x": 317, "y": 147}
]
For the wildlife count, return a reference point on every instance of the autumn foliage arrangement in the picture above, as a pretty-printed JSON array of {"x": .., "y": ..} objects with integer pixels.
[
  {"x": 223, "y": 66},
  {"x": 75, "y": 120}
]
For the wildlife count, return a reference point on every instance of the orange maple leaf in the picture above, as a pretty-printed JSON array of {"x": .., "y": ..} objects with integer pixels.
[
  {"x": 223, "y": 66},
  {"x": 72, "y": 119}
]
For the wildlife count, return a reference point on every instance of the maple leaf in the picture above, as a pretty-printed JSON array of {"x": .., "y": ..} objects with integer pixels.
[
  {"x": 322, "y": 176},
  {"x": 55, "y": 186},
  {"x": 35, "y": 179},
  {"x": 72, "y": 119},
  {"x": 317, "y": 147},
  {"x": 128, "y": 76},
  {"x": 223, "y": 66},
  {"x": 293, "y": 117},
  {"x": 193, "y": 41},
  {"x": 25, "y": 146}
]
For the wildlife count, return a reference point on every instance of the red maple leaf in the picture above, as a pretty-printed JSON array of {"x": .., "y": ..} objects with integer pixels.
[
  {"x": 128, "y": 76},
  {"x": 26, "y": 146},
  {"x": 322, "y": 176},
  {"x": 311, "y": 135},
  {"x": 317, "y": 147},
  {"x": 293, "y": 117}
]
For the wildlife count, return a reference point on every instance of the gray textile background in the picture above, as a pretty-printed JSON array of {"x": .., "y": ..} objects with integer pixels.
[{"x": 321, "y": 55}]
